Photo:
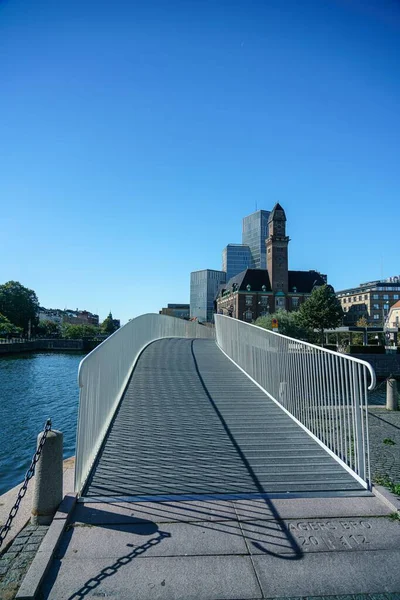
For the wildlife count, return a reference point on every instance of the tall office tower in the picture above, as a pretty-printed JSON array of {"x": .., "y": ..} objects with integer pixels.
[
  {"x": 204, "y": 286},
  {"x": 235, "y": 259},
  {"x": 254, "y": 234}
]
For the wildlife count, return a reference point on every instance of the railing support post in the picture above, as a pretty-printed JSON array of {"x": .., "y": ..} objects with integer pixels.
[{"x": 48, "y": 489}]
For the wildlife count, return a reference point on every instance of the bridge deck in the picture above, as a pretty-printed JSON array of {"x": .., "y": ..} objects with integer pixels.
[{"x": 191, "y": 422}]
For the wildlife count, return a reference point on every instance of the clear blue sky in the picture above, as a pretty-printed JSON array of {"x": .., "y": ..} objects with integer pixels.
[{"x": 134, "y": 136}]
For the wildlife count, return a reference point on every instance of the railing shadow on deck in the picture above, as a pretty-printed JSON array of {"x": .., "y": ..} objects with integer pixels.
[{"x": 273, "y": 539}]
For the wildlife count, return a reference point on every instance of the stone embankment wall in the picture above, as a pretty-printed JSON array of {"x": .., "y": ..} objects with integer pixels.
[
  {"x": 383, "y": 364},
  {"x": 35, "y": 345}
]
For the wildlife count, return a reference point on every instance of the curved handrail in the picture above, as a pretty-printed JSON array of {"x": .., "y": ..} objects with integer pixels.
[
  {"x": 323, "y": 390},
  {"x": 104, "y": 373}
]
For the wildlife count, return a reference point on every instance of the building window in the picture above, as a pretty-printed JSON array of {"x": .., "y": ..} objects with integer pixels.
[
  {"x": 295, "y": 302},
  {"x": 248, "y": 315},
  {"x": 376, "y": 317},
  {"x": 386, "y": 307},
  {"x": 359, "y": 298},
  {"x": 365, "y": 296},
  {"x": 264, "y": 300},
  {"x": 395, "y": 296},
  {"x": 376, "y": 306},
  {"x": 249, "y": 300},
  {"x": 376, "y": 296},
  {"x": 385, "y": 297}
]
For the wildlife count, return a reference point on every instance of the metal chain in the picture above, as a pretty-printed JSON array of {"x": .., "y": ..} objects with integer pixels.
[
  {"x": 383, "y": 383},
  {"x": 29, "y": 474}
]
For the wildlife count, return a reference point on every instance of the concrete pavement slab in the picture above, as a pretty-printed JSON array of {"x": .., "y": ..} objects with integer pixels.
[
  {"x": 178, "y": 578},
  {"x": 300, "y": 536},
  {"x": 329, "y": 573},
  {"x": 292, "y": 508},
  {"x": 160, "y": 512},
  {"x": 173, "y": 539}
]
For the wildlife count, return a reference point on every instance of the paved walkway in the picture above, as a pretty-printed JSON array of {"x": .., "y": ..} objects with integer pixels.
[
  {"x": 227, "y": 550},
  {"x": 384, "y": 439}
]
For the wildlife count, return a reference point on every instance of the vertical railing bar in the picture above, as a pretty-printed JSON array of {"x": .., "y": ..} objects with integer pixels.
[
  {"x": 331, "y": 419},
  {"x": 356, "y": 428},
  {"x": 318, "y": 376},
  {"x": 323, "y": 393},
  {"x": 366, "y": 428},
  {"x": 361, "y": 396},
  {"x": 335, "y": 398},
  {"x": 348, "y": 420},
  {"x": 314, "y": 387},
  {"x": 343, "y": 447},
  {"x": 292, "y": 381}
]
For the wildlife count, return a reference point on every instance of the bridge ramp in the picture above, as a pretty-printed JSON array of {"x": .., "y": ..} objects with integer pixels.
[{"x": 192, "y": 423}]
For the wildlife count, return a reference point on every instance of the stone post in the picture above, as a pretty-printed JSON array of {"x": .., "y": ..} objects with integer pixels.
[
  {"x": 392, "y": 402},
  {"x": 48, "y": 489}
]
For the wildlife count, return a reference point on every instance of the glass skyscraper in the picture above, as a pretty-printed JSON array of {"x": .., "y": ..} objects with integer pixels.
[
  {"x": 254, "y": 234},
  {"x": 235, "y": 259},
  {"x": 204, "y": 286}
]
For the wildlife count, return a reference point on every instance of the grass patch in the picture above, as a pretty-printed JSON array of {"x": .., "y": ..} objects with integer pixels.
[
  {"x": 389, "y": 442},
  {"x": 388, "y": 483},
  {"x": 394, "y": 516}
]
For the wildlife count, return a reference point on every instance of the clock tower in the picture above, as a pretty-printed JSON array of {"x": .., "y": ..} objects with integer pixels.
[{"x": 277, "y": 251}]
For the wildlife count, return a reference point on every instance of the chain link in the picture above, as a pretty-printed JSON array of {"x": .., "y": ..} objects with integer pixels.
[{"x": 22, "y": 491}]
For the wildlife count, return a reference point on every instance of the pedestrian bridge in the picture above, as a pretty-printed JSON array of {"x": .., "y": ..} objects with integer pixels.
[{"x": 171, "y": 409}]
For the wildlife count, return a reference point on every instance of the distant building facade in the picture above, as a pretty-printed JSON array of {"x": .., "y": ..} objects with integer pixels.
[
  {"x": 74, "y": 317},
  {"x": 51, "y": 314},
  {"x": 257, "y": 292},
  {"x": 80, "y": 317},
  {"x": 235, "y": 259},
  {"x": 371, "y": 300},
  {"x": 254, "y": 234},
  {"x": 204, "y": 286},
  {"x": 181, "y": 311},
  {"x": 393, "y": 318}
]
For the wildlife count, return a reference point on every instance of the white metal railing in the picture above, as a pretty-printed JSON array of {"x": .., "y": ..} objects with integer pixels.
[
  {"x": 104, "y": 374},
  {"x": 324, "y": 391}
]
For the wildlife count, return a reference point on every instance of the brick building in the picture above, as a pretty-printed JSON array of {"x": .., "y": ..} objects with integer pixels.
[{"x": 257, "y": 292}]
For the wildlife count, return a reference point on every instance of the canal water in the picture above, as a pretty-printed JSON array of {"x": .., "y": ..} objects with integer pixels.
[{"x": 34, "y": 387}]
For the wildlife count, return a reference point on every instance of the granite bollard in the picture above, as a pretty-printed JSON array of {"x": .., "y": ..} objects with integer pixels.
[
  {"x": 48, "y": 489},
  {"x": 392, "y": 402}
]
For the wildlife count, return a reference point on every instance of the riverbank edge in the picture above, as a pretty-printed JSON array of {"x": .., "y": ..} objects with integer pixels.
[
  {"x": 21, "y": 519},
  {"x": 48, "y": 346}
]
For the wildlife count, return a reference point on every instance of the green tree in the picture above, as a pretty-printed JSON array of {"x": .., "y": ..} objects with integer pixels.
[
  {"x": 19, "y": 304},
  {"x": 108, "y": 326},
  {"x": 77, "y": 332},
  {"x": 322, "y": 310},
  {"x": 48, "y": 329},
  {"x": 288, "y": 324},
  {"x": 7, "y": 328}
]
